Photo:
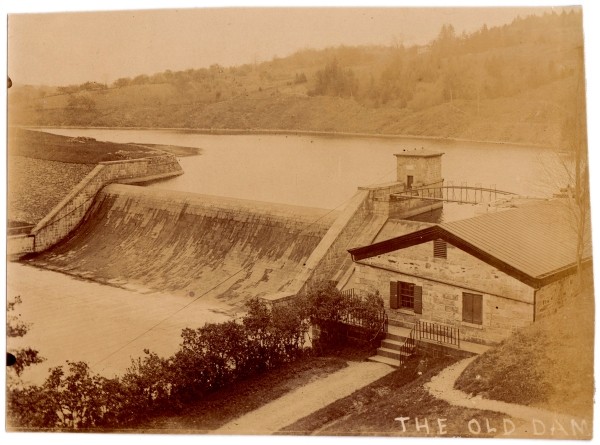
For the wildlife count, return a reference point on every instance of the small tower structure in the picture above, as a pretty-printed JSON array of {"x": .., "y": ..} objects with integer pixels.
[{"x": 419, "y": 168}]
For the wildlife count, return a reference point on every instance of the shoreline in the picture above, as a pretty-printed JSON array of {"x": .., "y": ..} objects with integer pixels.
[{"x": 342, "y": 134}]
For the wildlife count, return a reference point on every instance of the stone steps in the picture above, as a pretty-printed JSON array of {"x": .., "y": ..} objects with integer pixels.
[{"x": 389, "y": 351}]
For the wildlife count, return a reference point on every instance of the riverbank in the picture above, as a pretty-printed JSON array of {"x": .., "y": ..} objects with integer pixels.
[{"x": 334, "y": 134}]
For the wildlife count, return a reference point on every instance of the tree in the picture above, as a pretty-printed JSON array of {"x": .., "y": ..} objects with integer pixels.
[
  {"x": 335, "y": 81},
  {"x": 23, "y": 357},
  {"x": 574, "y": 139},
  {"x": 122, "y": 82}
]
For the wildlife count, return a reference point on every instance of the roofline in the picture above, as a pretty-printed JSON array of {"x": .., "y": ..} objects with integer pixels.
[
  {"x": 438, "y": 232},
  {"x": 416, "y": 154}
]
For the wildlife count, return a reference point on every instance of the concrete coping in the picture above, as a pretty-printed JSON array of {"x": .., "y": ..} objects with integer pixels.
[{"x": 129, "y": 161}]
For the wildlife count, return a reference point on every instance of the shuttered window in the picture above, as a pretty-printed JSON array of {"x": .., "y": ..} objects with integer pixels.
[
  {"x": 472, "y": 308},
  {"x": 440, "y": 248},
  {"x": 406, "y": 295}
]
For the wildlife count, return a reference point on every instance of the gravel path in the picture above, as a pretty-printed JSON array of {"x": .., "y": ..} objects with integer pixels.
[
  {"x": 303, "y": 401},
  {"x": 538, "y": 423}
]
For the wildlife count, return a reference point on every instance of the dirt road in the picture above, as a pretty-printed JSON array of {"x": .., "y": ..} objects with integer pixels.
[{"x": 305, "y": 400}]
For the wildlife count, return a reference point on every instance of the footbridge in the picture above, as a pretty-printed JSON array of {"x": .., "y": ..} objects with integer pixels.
[{"x": 462, "y": 194}]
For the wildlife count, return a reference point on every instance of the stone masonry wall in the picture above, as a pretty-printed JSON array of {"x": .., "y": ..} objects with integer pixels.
[
  {"x": 425, "y": 170},
  {"x": 71, "y": 210},
  {"x": 329, "y": 256},
  {"x": 550, "y": 298},
  {"x": 459, "y": 268},
  {"x": 442, "y": 303}
]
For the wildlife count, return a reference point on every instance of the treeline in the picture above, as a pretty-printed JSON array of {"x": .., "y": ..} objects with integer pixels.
[
  {"x": 209, "y": 358},
  {"x": 509, "y": 83},
  {"x": 486, "y": 64}
]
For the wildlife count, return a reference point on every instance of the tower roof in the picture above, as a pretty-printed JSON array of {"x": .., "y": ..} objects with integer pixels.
[{"x": 419, "y": 153}]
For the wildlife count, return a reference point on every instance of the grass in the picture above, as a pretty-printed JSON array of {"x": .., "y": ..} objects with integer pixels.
[
  {"x": 372, "y": 410},
  {"x": 548, "y": 364},
  {"x": 241, "y": 397},
  {"x": 52, "y": 147}
]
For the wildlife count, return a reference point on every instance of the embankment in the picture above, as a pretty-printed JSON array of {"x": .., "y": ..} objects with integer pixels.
[{"x": 188, "y": 244}]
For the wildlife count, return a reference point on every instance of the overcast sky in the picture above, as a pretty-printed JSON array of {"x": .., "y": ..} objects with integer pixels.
[{"x": 67, "y": 48}]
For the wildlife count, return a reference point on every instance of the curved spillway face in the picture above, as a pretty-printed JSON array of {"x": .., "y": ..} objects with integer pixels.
[{"x": 184, "y": 243}]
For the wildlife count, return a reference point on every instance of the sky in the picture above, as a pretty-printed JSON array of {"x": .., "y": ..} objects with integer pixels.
[{"x": 71, "y": 48}]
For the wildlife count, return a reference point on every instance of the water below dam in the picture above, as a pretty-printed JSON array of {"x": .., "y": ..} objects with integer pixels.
[{"x": 124, "y": 256}]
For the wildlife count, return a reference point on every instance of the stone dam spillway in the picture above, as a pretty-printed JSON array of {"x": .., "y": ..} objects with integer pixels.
[
  {"x": 186, "y": 243},
  {"x": 153, "y": 240}
]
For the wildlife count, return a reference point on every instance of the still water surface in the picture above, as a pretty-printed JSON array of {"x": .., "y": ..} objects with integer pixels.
[{"x": 326, "y": 171}]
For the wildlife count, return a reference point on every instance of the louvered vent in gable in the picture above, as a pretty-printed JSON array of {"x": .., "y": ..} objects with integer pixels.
[{"x": 440, "y": 249}]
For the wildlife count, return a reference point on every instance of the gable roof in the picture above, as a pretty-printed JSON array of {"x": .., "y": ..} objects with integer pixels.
[{"x": 535, "y": 244}]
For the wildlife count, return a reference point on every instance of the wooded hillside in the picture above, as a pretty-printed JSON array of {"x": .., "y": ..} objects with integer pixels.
[{"x": 510, "y": 83}]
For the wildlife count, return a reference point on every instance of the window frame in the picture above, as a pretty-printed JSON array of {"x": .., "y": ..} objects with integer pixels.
[{"x": 472, "y": 308}]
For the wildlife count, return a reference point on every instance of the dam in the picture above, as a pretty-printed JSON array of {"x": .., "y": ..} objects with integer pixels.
[{"x": 190, "y": 244}]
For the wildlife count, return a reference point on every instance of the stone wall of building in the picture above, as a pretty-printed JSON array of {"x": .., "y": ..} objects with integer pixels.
[
  {"x": 424, "y": 170},
  {"x": 442, "y": 303},
  {"x": 71, "y": 210},
  {"x": 459, "y": 267},
  {"x": 550, "y": 298}
]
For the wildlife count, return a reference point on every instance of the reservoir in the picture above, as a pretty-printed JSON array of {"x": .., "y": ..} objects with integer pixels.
[{"x": 318, "y": 171}]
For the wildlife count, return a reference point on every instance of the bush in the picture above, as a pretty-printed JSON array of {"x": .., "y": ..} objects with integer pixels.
[
  {"x": 209, "y": 358},
  {"x": 338, "y": 317}
]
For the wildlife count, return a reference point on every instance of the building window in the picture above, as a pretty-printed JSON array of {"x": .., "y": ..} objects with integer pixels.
[
  {"x": 440, "y": 248},
  {"x": 472, "y": 308},
  {"x": 406, "y": 296}
]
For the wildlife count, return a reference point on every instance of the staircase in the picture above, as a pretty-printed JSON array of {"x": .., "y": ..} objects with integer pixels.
[{"x": 397, "y": 346}]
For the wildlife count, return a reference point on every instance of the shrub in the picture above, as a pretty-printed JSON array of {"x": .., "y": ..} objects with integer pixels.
[
  {"x": 209, "y": 358},
  {"x": 336, "y": 316}
]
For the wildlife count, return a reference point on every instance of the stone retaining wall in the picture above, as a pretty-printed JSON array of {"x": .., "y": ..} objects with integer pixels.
[{"x": 70, "y": 211}]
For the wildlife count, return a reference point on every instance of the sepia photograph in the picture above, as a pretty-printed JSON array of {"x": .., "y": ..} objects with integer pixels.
[{"x": 308, "y": 221}]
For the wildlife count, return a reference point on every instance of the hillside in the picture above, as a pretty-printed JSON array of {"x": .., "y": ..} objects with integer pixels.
[
  {"x": 508, "y": 84},
  {"x": 549, "y": 364}
]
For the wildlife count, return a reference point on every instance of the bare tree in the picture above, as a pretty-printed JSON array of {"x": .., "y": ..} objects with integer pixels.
[{"x": 574, "y": 140}]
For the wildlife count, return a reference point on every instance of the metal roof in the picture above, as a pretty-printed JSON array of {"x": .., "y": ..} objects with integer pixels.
[{"x": 536, "y": 243}]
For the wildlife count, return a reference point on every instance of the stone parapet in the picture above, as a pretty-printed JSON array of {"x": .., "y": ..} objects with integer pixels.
[{"x": 68, "y": 213}]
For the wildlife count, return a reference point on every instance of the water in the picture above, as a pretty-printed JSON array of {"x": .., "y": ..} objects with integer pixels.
[
  {"x": 105, "y": 326},
  {"x": 326, "y": 171}
]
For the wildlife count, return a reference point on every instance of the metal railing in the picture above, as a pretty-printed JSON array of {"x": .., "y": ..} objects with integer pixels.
[
  {"x": 383, "y": 328},
  {"x": 408, "y": 347},
  {"x": 439, "y": 333},
  {"x": 363, "y": 317}
]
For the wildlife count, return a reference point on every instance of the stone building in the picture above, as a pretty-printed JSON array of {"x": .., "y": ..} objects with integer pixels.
[{"x": 486, "y": 276}]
